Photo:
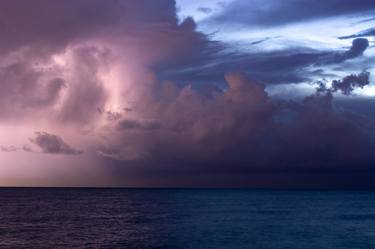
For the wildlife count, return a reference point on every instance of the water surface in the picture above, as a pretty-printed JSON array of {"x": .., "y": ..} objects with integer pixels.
[{"x": 183, "y": 218}]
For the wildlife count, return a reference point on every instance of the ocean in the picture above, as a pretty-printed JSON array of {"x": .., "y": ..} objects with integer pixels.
[{"x": 185, "y": 218}]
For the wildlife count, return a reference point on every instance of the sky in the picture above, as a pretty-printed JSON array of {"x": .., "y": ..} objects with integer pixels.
[{"x": 187, "y": 93}]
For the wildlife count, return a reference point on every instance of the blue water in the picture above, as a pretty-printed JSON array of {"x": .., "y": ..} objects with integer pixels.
[{"x": 166, "y": 219}]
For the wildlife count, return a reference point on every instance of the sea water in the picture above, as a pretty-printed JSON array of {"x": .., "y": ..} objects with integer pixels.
[{"x": 185, "y": 218}]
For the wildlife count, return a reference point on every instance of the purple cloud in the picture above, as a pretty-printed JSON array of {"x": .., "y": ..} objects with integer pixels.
[{"x": 53, "y": 144}]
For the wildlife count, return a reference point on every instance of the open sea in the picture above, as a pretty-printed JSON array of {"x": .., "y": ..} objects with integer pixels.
[{"x": 185, "y": 218}]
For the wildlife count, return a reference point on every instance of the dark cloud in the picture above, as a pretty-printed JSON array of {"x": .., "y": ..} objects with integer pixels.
[
  {"x": 349, "y": 83},
  {"x": 12, "y": 148},
  {"x": 345, "y": 86},
  {"x": 183, "y": 54},
  {"x": 243, "y": 131},
  {"x": 25, "y": 87},
  {"x": 113, "y": 115},
  {"x": 204, "y": 10},
  {"x": 90, "y": 36},
  {"x": 357, "y": 49},
  {"x": 260, "y": 41},
  {"x": 258, "y": 12},
  {"x": 132, "y": 124},
  {"x": 364, "y": 33},
  {"x": 8, "y": 148},
  {"x": 191, "y": 48},
  {"x": 86, "y": 64},
  {"x": 280, "y": 66},
  {"x": 51, "y": 25},
  {"x": 53, "y": 144},
  {"x": 271, "y": 67}
]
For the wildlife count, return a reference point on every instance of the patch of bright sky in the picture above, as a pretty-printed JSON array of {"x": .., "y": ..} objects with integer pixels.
[
  {"x": 368, "y": 91},
  {"x": 199, "y": 9},
  {"x": 291, "y": 91},
  {"x": 319, "y": 34},
  {"x": 298, "y": 91}
]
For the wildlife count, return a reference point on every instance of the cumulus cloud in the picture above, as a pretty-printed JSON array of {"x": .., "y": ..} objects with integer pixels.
[
  {"x": 358, "y": 47},
  {"x": 8, "y": 148},
  {"x": 349, "y": 83},
  {"x": 53, "y": 144},
  {"x": 242, "y": 130},
  {"x": 100, "y": 70},
  {"x": 50, "y": 62}
]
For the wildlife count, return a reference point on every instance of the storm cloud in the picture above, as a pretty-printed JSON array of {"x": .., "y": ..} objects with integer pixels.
[
  {"x": 53, "y": 144},
  {"x": 137, "y": 93},
  {"x": 259, "y": 132}
]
